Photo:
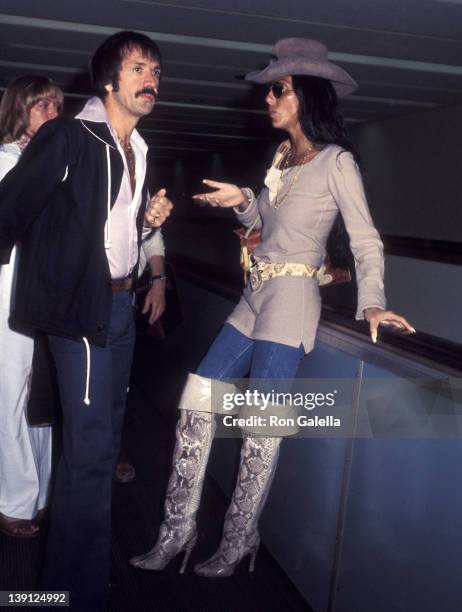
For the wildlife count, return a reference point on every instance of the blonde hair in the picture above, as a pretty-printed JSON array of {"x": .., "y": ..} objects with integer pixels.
[{"x": 19, "y": 97}]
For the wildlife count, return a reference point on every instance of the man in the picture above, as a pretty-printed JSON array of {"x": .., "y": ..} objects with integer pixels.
[{"x": 76, "y": 202}]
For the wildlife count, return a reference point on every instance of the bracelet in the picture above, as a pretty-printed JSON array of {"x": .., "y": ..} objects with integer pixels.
[
  {"x": 249, "y": 198},
  {"x": 249, "y": 195},
  {"x": 158, "y": 277}
]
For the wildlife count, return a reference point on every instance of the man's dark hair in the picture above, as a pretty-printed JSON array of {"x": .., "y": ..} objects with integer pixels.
[{"x": 107, "y": 60}]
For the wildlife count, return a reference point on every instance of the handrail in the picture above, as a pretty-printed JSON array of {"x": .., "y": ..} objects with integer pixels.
[
  {"x": 427, "y": 249},
  {"x": 441, "y": 251}
]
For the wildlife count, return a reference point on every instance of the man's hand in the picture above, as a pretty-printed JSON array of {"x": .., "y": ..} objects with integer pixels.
[
  {"x": 155, "y": 300},
  {"x": 158, "y": 209}
]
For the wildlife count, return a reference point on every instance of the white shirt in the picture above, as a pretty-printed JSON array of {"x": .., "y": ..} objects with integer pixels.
[
  {"x": 9, "y": 156},
  {"x": 122, "y": 252}
]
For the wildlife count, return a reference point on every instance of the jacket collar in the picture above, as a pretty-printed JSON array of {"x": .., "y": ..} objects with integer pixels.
[{"x": 96, "y": 120}]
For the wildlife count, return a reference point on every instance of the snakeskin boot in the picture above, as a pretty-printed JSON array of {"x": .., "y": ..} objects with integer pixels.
[
  {"x": 194, "y": 436},
  {"x": 240, "y": 537}
]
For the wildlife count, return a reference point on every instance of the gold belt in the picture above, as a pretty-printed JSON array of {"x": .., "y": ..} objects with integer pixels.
[{"x": 261, "y": 271}]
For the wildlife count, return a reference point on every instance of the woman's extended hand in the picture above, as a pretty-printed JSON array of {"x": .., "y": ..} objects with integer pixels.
[
  {"x": 377, "y": 316},
  {"x": 225, "y": 196}
]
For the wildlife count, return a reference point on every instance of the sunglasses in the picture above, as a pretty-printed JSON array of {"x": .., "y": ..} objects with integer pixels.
[{"x": 278, "y": 90}]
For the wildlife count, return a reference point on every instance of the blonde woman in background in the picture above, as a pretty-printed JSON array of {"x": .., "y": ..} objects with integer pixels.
[{"x": 25, "y": 452}]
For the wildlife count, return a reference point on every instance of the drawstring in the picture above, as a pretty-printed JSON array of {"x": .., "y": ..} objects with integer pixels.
[
  {"x": 107, "y": 231},
  {"x": 86, "y": 399}
]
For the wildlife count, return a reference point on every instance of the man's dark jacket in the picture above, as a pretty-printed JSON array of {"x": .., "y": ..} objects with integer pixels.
[{"x": 54, "y": 202}]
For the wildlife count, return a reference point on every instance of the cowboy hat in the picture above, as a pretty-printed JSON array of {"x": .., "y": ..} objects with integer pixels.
[{"x": 293, "y": 56}]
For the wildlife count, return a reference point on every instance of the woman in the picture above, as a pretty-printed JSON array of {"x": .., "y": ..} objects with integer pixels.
[
  {"x": 25, "y": 452},
  {"x": 313, "y": 177}
]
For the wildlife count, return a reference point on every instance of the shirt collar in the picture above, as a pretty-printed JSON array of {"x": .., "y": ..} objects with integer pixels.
[{"x": 94, "y": 110}]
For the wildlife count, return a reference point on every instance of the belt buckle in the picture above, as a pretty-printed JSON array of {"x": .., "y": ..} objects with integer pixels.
[{"x": 255, "y": 278}]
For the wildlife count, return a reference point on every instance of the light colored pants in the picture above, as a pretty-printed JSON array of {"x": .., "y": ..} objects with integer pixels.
[{"x": 25, "y": 452}]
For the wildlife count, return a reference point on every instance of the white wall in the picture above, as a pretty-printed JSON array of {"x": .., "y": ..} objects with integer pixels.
[
  {"x": 413, "y": 168},
  {"x": 413, "y": 172},
  {"x": 427, "y": 293}
]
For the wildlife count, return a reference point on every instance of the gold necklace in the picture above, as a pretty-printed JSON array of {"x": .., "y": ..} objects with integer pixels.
[
  {"x": 285, "y": 165},
  {"x": 126, "y": 146}
]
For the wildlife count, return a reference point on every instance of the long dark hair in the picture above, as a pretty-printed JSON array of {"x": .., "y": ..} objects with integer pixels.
[{"x": 322, "y": 123}]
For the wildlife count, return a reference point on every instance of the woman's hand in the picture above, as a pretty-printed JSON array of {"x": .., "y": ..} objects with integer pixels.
[
  {"x": 377, "y": 316},
  {"x": 225, "y": 196}
]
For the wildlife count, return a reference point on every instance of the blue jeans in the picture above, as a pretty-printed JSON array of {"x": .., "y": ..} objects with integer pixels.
[
  {"x": 233, "y": 355},
  {"x": 79, "y": 539}
]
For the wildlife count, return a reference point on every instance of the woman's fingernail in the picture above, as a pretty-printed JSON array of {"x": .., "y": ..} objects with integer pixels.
[
  {"x": 205, "y": 180},
  {"x": 374, "y": 337},
  {"x": 413, "y": 330}
]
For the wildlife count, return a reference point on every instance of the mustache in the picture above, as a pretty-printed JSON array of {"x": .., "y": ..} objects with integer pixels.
[{"x": 146, "y": 90}]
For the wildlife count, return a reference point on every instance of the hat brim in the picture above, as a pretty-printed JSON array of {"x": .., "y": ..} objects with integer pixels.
[{"x": 340, "y": 79}]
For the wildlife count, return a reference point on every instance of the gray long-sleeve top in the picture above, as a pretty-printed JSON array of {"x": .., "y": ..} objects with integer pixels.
[{"x": 297, "y": 232}]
